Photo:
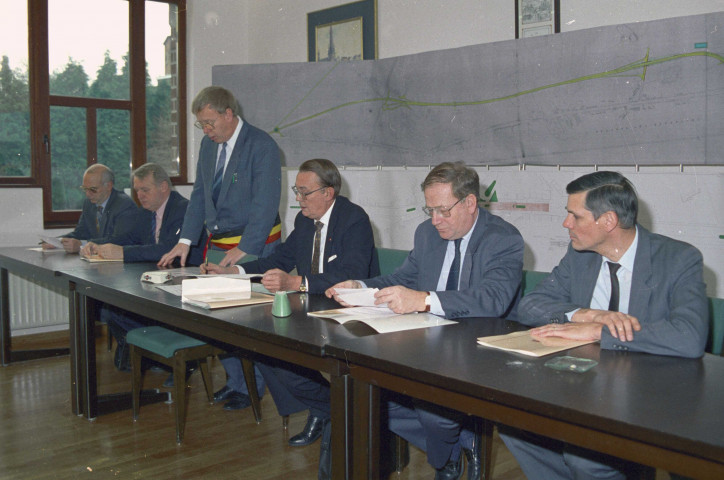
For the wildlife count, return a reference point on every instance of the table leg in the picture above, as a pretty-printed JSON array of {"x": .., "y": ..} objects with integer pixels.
[
  {"x": 341, "y": 401},
  {"x": 4, "y": 318},
  {"x": 366, "y": 428}
]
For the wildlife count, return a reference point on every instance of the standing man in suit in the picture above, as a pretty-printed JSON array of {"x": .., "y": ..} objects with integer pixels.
[
  {"x": 332, "y": 240},
  {"x": 621, "y": 285},
  {"x": 238, "y": 184},
  {"x": 106, "y": 211},
  {"x": 156, "y": 231},
  {"x": 465, "y": 263},
  {"x": 235, "y": 198}
]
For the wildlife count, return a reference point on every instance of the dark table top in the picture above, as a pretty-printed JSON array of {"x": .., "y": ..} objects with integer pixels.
[
  {"x": 675, "y": 402},
  {"x": 25, "y": 262}
]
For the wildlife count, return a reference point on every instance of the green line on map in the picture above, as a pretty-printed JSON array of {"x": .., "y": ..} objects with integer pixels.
[
  {"x": 392, "y": 103},
  {"x": 411, "y": 209},
  {"x": 519, "y": 206},
  {"x": 700, "y": 45}
]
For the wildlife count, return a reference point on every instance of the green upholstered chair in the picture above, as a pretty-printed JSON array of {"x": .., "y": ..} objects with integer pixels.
[
  {"x": 175, "y": 350},
  {"x": 390, "y": 258},
  {"x": 531, "y": 278},
  {"x": 716, "y": 322}
]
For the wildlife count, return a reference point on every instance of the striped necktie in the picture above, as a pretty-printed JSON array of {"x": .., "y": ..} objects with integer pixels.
[
  {"x": 317, "y": 241},
  {"x": 219, "y": 175}
]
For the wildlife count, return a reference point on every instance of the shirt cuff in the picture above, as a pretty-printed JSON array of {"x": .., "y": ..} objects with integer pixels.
[{"x": 185, "y": 241}]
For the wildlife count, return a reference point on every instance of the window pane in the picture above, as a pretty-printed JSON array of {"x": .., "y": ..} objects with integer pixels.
[
  {"x": 162, "y": 93},
  {"x": 69, "y": 157},
  {"x": 114, "y": 144},
  {"x": 88, "y": 48},
  {"x": 14, "y": 91}
]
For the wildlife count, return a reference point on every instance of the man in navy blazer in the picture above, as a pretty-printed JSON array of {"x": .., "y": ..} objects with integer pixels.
[
  {"x": 618, "y": 284},
  {"x": 117, "y": 215},
  {"x": 236, "y": 193},
  {"x": 346, "y": 248},
  {"x": 465, "y": 263},
  {"x": 157, "y": 230}
]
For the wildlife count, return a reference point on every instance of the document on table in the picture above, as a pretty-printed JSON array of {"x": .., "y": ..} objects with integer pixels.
[
  {"x": 382, "y": 319},
  {"x": 99, "y": 259},
  {"x": 523, "y": 342},
  {"x": 359, "y": 297},
  {"x": 195, "y": 272},
  {"x": 219, "y": 292},
  {"x": 54, "y": 241}
]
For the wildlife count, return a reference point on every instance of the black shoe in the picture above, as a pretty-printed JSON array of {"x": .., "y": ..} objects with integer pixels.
[
  {"x": 237, "y": 401},
  {"x": 452, "y": 470},
  {"x": 223, "y": 394},
  {"x": 312, "y": 431},
  {"x": 325, "y": 452}
]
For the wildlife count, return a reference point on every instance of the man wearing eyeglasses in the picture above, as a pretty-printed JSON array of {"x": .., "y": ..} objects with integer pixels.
[
  {"x": 332, "y": 240},
  {"x": 237, "y": 188},
  {"x": 465, "y": 263},
  {"x": 106, "y": 211}
]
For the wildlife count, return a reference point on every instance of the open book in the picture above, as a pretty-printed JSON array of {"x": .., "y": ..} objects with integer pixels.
[
  {"x": 220, "y": 292},
  {"x": 382, "y": 319},
  {"x": 523, "y": 342}
]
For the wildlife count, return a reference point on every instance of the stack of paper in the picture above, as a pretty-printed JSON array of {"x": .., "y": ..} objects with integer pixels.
[
  {"x": 523, "y": 342},
  {"x": 218, "y": 292}
]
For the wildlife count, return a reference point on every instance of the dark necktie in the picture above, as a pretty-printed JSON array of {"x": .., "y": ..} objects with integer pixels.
[
  {"x": 317, "y": 240},
  {"x": 153, "y": 227},
  {"x": 454, "y": 275},
  {"x": 218, "y": 175},
  {"x": 99, "y": 214},
  {"x": 613, "y": 303}
]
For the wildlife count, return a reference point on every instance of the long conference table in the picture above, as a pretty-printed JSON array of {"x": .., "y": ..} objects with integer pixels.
[{"x": 659, "y": 411}]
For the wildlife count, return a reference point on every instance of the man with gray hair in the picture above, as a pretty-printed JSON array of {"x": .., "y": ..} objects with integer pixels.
[{"x": 106, "y": 211}]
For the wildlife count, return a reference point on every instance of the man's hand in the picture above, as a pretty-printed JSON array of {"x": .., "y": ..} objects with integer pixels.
[
  {"x": 88, "y": 250},
  {"x": 621, "y": 325},
  {"x": 214, "y": 269},
  {"x": 71, "y": 245},
  {"x": 275, "y": 280},
  {"x": 331, "y": 292},
  {"x": 46, "y": 246},
  {"x": 180, "y": 250},
  {"x": 232, "y": 256},
  {"x": 109, "y": 251},
  {"x": 571, "y": 331},
  {"x": 401, "y": 299}
]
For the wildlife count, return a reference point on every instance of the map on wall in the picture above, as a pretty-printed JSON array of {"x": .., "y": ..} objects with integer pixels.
[{"x": 649, "y": 93}]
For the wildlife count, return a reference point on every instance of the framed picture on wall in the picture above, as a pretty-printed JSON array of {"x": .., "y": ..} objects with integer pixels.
[
  {"x": 537, "y": 17},
  {"x": 346, "y": 32}
]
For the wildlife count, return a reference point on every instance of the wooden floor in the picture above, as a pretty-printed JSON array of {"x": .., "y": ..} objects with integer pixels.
[{"x": 41, "y": 439}]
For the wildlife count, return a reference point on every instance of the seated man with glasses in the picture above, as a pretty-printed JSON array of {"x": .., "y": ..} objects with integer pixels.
[
  {"x": 106, "y": 211},
  {"x": 465, "y": 263},
  {"x": 332, "y": 240}
]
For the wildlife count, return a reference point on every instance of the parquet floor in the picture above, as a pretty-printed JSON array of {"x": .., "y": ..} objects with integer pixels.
[{"x": 41, "y": 439}]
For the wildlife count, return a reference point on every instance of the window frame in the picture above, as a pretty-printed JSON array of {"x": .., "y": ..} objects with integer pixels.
[{"x": 41, "y": 101}]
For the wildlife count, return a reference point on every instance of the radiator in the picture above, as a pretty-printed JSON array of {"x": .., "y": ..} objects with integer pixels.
[{"x": 36, "y": 307}]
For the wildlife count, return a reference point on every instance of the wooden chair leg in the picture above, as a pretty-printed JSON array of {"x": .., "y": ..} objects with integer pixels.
[
  {"x": 247, "y": 366},
  {"x": 179, "y": 381},
  {"x": 206, "y": 376},
  {"x": 486, "y": 448},
  {"x": 285, "y": 422},
  {"x": 136, "y": 379},
  {"x": 400, "y": 454}
]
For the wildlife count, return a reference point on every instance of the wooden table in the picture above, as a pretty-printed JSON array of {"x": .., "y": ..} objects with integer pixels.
[
  {"x": 660, "y": 411},
  {"x": 34, "y": 266},
  {"x": 298, "y": 339}
]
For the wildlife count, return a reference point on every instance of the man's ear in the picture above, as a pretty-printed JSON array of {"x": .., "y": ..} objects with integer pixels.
[{"x": 609, "y": 220}]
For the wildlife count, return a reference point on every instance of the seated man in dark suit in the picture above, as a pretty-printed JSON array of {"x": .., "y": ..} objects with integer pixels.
[
  {"x": 106, "y": 211},
  {"x": 465, "y": 263},
  {"x": 332, "y": 240},
  {"x": 621, "y": 285},
  {"x": 156, "y": 231}
]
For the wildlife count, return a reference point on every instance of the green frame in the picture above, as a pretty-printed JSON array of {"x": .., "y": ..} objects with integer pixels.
[{"x": 366, "y": 10}]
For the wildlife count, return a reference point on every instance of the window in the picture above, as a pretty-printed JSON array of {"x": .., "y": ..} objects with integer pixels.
[{"x": 104, "y": 90}]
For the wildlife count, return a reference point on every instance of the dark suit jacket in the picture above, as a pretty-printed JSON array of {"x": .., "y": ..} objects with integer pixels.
[
  {"x": 490, "y": 275},
  {"x": 348, "y": 248},
  {"x": 119, "y": 216},
  {"x": 250, "y": 190},
  {"x": 668, "y": 296},
  {"x": 139, "y": 244}
]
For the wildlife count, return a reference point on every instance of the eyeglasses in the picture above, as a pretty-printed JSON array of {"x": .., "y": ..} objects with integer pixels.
[
  {"x": 89, "y": 189},
  {"x": 298, "y": 193},
  {"x": 442, "y": 211},
  {"x": 201, "y": 124}
]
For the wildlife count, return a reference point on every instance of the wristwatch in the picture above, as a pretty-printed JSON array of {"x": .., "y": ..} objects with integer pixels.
[
  {"x": 303, "y": 286},
  {"x": 428, "y": 302}
]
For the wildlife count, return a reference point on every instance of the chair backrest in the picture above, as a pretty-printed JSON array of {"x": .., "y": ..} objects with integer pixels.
[
  {"x": 716, "y": 323},
  {"x": 531, "y": 278},
  {"x": 390, "y": 258}
]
